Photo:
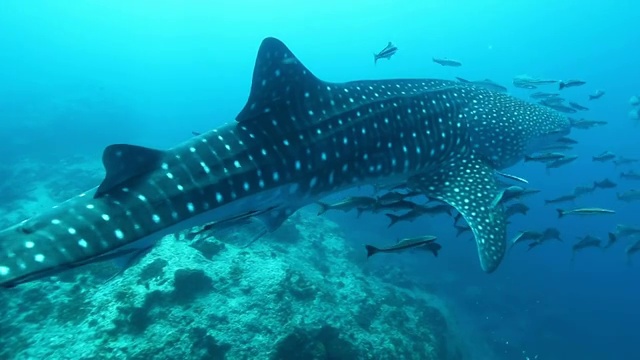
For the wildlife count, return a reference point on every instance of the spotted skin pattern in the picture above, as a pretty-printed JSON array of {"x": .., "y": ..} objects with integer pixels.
[{"x": 296, "y": 140}]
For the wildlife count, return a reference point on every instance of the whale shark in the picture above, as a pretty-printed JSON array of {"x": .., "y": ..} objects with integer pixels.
[{"x": 296, "y": 140}]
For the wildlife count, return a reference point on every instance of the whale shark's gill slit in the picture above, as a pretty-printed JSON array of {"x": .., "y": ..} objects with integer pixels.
[
  {"x": 468, "y": 184},
  {"x": 124, "y": 162}
]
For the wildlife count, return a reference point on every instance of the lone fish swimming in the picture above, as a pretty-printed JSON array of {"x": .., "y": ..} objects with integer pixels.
[{"x": 296, "y": 140}]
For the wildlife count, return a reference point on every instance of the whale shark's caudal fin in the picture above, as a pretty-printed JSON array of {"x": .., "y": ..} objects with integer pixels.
[{"x": 467, "y": 183}]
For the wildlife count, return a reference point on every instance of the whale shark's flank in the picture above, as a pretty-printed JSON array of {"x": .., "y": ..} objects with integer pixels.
[{"x": 297, "y": 139}]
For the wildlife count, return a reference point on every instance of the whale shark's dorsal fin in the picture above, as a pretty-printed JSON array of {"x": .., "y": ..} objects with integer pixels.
[
  {"x": 283, "y": 86},
  {"x": 123, "y": 162}
]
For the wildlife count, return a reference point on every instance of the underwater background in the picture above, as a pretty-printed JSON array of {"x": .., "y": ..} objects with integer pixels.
[{"x": 78, "y": 76}]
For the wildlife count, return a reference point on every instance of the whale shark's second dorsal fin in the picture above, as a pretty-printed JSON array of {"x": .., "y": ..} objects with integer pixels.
[{"x": 124, "y": 162}]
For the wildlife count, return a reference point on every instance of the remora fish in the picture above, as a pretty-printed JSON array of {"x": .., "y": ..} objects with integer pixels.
[
  {"x": 632, "y": 249},
  {"x": 551, "y": 101},
  {"x": 297, "y": 140},
  {"x": 385, "y": 53},
  {"x": 570, "y": 83},
  {"x": 586, "y": 124},
  {"x": 528, "y": 82},
  {"x": 447, "y": 62},
  {"x": 417, "y": 212},
  {"x": 578, "y": 107},
  {"x": 597, "y": 95},
  {"x": 512, "y": 192},
  {"x": 561, "y": 199},
  {"x": 585, "y": 242},
  {"x": 631, "y": 175},
  {"x": 527, "y": 235},
  {"x": 547, "y": 157},
  {"x": 517, "y": 208},
  {"x": 604, "y": 184},
  {"x": 560, "y": 162},
  {"x": 583, "y": 189},
  {"x": 348, "y": 204},
  {"x": 629, "y": 195},
  {"x": 621, "y": 160},
  {"x": 626, "y": 230},
  {"x": 543, "y": 95},
  {"x": 561, "y": 108},
  {"x": 605, "y": 156},
  {"x": 427, "y": 242},
  {"x": 567, "y": 140}
]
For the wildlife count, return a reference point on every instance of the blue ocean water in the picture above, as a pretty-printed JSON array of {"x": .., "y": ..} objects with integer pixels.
[{"x": 77, "y": 76}]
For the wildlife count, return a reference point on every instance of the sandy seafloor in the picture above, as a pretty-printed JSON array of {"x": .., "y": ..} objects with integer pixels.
[{"x": 302, "y": 292}]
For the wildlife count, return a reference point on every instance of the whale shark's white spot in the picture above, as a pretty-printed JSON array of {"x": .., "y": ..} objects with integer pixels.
[
  {"x": 237, "y": 164},
  {"x": 190, "y": 207},
  {"x": 55, "y": 221},
  {"x": 71, "y": 231},
  {"x": 105, "y": 217},
  {"x": 83, "y": 243},
  {"x": 170, "y": 175},
  {"x": 90, "y": 206},
  {"x": 155, "y": 218},
  {"x": 219, "y": 197},
  {"x": 4, "y": 271},
  {"x": 119, "y": 234}
]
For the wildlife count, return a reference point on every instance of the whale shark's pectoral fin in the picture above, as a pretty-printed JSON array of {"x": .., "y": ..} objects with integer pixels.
[
  {"x": 124, "y": 162},
  {"x": 274, "y": 218},
  {"x": 468, "y": 184}
]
